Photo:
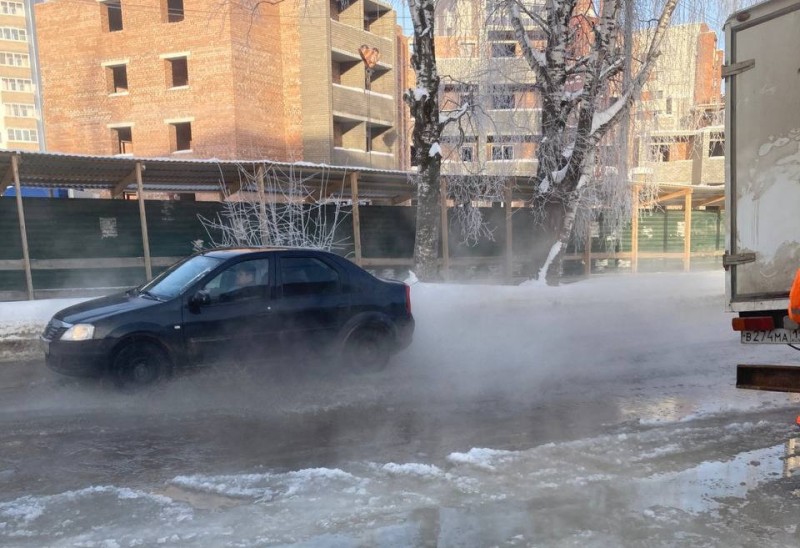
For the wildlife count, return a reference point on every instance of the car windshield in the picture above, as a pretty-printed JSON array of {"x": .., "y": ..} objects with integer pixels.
[{"x": 175, "y": 280}]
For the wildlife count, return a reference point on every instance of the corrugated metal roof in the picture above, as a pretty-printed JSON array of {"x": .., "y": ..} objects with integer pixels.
[{"x": 59, "y": 170}]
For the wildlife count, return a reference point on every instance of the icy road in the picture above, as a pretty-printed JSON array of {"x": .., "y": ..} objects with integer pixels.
[{"x": 601, "y": 413}]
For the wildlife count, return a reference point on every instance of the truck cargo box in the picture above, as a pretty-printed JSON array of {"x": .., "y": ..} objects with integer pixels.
[{"x": 762, "y": 120}]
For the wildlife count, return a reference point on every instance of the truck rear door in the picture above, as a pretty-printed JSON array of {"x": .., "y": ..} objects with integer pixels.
[{"x": 762, "y": 69}]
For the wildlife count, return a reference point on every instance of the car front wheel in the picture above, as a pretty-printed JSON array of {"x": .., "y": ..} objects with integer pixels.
[{"x": 139, "y": 364}]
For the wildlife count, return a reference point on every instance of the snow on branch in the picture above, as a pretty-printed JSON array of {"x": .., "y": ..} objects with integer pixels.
[
  {"x": 603, "y": 120},
  {"x": 536, "y": 59},
  {"x": 535, "y": 17},
  {"x": 446, "y": 117}
]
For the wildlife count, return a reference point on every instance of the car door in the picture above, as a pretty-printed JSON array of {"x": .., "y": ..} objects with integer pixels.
[
  {"x": 236, "y": 321},
  {"x": 312, "y": 302}
]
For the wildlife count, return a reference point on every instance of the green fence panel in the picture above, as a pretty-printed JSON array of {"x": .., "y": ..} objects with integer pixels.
[
  {"x": 174, "y": 228},
  {"x": 707, "y": 231},
  {"x": 387, "y": 231},
  {"x": 9, "y": 229}
]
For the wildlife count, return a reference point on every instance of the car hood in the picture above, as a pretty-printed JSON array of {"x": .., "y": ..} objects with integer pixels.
[{"x": 97, "y": 309}]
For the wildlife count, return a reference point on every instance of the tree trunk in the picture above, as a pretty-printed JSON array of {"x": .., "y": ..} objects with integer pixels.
[
  {"x": 551, "y": 237},
  {"x": 423, "y": 103},
  {"x": 426, "y": 241}
]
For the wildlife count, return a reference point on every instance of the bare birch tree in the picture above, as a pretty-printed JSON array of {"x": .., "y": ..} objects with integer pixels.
[
  {"x": 424, "y": 105},
  {"x": 578, "y": 68}
]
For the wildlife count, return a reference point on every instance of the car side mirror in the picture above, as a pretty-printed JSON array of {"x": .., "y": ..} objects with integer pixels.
[{"x": 201, "y": 298}]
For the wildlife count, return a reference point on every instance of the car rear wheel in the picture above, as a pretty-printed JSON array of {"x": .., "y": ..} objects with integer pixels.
[
  {"x": 139, "y": 364},
  {"x": 367, "y": 349}
]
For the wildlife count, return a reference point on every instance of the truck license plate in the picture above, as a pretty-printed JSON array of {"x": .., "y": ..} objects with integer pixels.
[{"x": 775, "y": 336}]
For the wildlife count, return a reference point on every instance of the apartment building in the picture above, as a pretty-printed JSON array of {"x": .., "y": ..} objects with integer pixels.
[
  {"x": 678, "y": 132},
  {"x": 20, "y": 106},
  {"x": 480, "y": 61},
  {"x": 481, "y": 65},
  {"x": 287, "y": 81}
]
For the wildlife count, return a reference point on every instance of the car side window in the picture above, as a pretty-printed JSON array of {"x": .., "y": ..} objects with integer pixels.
[
  {"x": 307, "y": 276},
  {"x": 243, "y": 281}
]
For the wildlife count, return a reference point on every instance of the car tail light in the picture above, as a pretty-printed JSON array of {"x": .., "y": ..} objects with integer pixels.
[
  {"x": 755, "y": 323},
  {"x": 408, "y": 299}
]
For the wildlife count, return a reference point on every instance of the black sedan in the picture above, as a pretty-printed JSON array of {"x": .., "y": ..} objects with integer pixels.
[{"x": 241, "y": 304}]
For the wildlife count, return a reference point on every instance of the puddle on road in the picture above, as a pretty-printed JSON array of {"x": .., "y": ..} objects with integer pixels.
[
  {"x": 588, "y": 492},
  {"x": 199, "y": 500},
  {"x": 699, "y": 489}
]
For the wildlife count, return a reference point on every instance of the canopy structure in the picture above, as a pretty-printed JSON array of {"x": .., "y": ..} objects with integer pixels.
[
  {"x": 117, "y": 174},
  {"x": 121, "y": 174}
]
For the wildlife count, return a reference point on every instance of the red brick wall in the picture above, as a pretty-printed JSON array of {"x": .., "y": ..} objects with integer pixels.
[
  {"x": 292, "y": 102},
  {"x": 709, "y": 64},
  {"x": 236, "y": 81}
]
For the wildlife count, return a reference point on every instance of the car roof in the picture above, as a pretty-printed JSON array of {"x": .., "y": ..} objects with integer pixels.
[{"x": 230, "y": 252}]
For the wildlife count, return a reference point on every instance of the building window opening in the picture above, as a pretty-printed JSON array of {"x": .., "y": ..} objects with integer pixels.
[
  {"x": 502, "y": 152},
  {"x": 716, "y": 146},
  {"x": 503, "y": 101},
  {"x": 504, "y": 49},
  {"x": 123, "y": 140},
  {"x": 23, "y": 135},
  {"x": 178, "y": 72},
  {"x": 378, "y": 139},
  {"x": 175, "y": 11},
  {"x": 181, "y": 136},
  {"x": 660, "y": 153},
  {"x": 113, "y": 15},
  {"x": 467, "y": 154},
  {"x": 371, "y": 18},
  {"x": 12, "y": 8},
  {"x": 117, "y": 79}
]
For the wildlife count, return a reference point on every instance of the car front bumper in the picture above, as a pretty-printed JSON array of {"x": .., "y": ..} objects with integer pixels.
[{"x": 76, "y": 358}]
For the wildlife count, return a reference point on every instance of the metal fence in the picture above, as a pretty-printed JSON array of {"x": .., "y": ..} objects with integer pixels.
[{"x": 77, "y": 245}]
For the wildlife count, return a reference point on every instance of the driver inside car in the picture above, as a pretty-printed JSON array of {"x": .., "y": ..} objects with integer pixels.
[{"x": 245, "y": 278}]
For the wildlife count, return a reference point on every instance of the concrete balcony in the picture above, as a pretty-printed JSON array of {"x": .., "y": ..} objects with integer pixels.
[
  {"x": 514, "y": 122},
  {"x": 678, "y": 171},
  {"x": 345, "y": 41},
  {"x": 360, "y": 105},
  {"x": 504, "y": 168},
  {"x": 349, "y": 157},
  {"x": 712, "y": 171},
  {"x": 488, "y": 69}
]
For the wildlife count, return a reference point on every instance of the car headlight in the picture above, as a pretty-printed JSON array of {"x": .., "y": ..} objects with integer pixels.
[{"x": 78, "y": 332}]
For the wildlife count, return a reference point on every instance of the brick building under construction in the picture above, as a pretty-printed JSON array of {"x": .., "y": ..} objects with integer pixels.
[{"x": 286, "y": 81}]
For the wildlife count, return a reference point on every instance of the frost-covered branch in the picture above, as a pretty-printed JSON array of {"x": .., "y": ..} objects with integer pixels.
[
  {"x": 606, "y": 119},
  {"x": 279, "y": 207}
]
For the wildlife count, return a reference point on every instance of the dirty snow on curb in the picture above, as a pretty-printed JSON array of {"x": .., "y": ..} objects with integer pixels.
[{"x": 26, "y": 319}]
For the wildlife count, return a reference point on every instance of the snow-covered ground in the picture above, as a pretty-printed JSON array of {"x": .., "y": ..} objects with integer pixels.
[
  {"x": 601, "y": 413},
  {"x": 26, "y": 319}
]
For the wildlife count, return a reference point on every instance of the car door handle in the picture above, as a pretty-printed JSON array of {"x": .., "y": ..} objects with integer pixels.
[{"x": 267, "y": 312}]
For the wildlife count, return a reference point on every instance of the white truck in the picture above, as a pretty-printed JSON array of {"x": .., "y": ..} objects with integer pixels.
[
  {"x": 762, "y": 141},
  {"x": 762, "y": 173}
]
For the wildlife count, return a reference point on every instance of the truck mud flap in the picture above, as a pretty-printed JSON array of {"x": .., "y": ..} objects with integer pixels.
[{"x": 775, "y": 378}]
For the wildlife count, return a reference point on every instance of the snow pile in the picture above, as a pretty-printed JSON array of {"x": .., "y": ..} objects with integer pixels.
[
  {"x": 482, "y": 458},
  {"x": 84, "y": 505},
  {"x": 413, "y": 469},
  {"x": 27, "y": 319},
  {"x": 269, "y": 486}
]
